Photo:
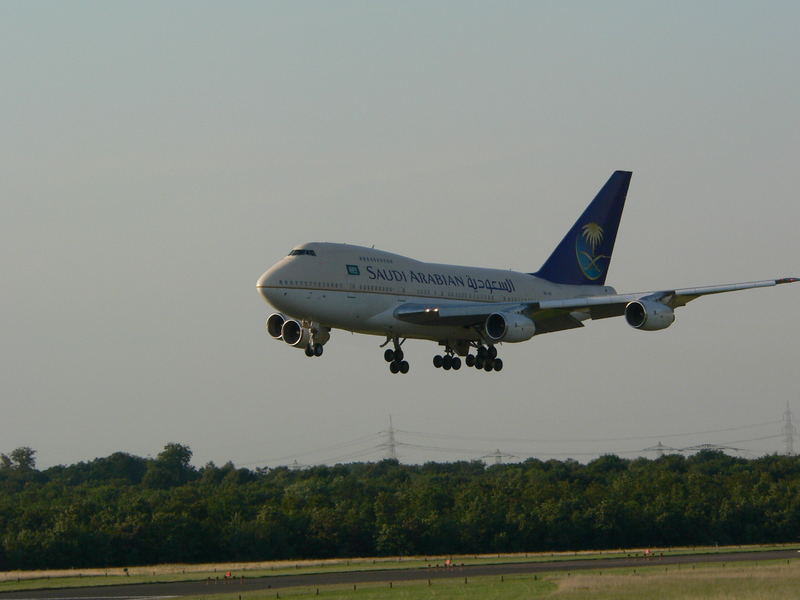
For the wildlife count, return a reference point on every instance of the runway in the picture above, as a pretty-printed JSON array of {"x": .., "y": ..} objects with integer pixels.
[{"x": 163, "y": 591}]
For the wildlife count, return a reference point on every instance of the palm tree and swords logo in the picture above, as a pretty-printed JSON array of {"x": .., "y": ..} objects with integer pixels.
[{"x": 586, "y": 245}]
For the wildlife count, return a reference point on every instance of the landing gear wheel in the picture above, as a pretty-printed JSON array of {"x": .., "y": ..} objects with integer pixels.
[
  {"x": 394, "y": 366},
  {"x": 492, "y": 352},
  {"x": 388, "y": 356},
  {"x": 404, "y": 366},
  {"x": 317, "y": 349},
  {"x": 481, "y": 352},
  {"x": 456, "y": 363},
  {"x": 437, "y": 361},
  {"x": 309, "y": 351},
  {"x": 398, "y": 355},
  {"x": 447, "y": 362},
  {"x": 498, "y": 364},
  {"x": 470, "y": 360},
  {"x": 488, "y": 366},
  {"x": 479, "y": 363}
]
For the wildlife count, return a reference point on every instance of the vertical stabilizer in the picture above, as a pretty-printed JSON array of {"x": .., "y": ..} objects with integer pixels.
[{"x": 584, "y": 255}]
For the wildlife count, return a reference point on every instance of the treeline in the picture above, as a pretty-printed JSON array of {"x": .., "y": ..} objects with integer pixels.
[{"x": 127, "y": 510}]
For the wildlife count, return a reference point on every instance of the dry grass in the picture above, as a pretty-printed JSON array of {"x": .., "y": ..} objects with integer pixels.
[
  {"x": 748, "y": 582},
  {"x": 737, "y": 581},
  {"x": 344, "y": 564},
  {"x": 282, "y": 565}
]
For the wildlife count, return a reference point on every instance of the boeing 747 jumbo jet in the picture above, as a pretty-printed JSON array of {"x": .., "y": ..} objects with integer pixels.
[{"x": 467, "y": 310}]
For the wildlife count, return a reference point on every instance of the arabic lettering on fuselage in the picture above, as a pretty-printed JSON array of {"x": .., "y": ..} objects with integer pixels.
[{"x": 442, "y": 279}]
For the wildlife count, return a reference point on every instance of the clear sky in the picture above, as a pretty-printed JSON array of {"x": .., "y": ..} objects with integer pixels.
[{"x": 156, "y": 158}]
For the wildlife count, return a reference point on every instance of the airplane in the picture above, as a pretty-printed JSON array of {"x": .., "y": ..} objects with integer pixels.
[{"x": 323, "y": 286}]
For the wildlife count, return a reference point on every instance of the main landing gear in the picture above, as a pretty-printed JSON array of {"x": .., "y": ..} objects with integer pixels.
[
  {"x": 449, "y": 361},
  {"x": 395, "y": 358},
  {"x": 486, "y": 359}
]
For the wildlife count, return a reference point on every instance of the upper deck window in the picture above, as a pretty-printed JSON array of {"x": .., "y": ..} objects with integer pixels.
[
  {"x": 300, "y": 252},
  {"x": 375, "y": 259}
]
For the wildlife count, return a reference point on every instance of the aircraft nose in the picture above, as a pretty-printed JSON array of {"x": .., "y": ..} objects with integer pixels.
[
  {"x": 269, "y": 283},
  {"x": 264, "y": 284}
]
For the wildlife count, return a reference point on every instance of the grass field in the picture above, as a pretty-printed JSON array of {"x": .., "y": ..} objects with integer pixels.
[
  {"x": 481, "y": 588},
  {"x": 27, "y": 580},
  {"x": 751, "y": 582},
  {"x": 747, "y": 581}
]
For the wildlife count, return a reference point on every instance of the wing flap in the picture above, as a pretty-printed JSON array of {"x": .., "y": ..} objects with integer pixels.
[{"x": 556, "y": 322}]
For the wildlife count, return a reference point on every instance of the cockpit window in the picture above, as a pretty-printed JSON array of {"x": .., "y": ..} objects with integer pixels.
[{"x": 301, "y": 252}]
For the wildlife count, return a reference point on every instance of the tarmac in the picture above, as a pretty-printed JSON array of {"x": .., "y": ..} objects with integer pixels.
[{"x": 238, "y": 585}]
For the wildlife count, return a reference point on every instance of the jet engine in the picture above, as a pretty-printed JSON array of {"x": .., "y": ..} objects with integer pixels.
[
  {"x": 504, "y": 327},
  {"x": 295, "y": 334},
  {"x": 649, "y": 316},
  {"x": 275, "y": 324}
]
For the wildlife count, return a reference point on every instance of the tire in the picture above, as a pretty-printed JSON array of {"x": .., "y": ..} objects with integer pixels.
[
  {"x": 404, "y": 366},
  {"x": 470, "y": 360},
  {"x": 437, "y": 361},
  {"x": 398, "y": 355},
  {"x": 492, "y": 352},
  {"x": 479, "y": 363},
  {"x": 388, "y": 356},
  {"x": 447, "y": 362},
  {"x": 488, "y": 366},
  {"x": 481, "y": 352},
  {"x": 394, "y": 366},
  {"x": 317, "y": 349},
  {"x": 498, "y": 364},
  {"x": 309, "y": 351},
  {"x": 456, "y": 363}
]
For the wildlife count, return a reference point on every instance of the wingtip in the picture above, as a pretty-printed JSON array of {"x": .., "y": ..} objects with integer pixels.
[{"x": 787, "y": 280}]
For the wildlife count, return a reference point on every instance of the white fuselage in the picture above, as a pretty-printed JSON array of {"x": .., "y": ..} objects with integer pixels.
[{"x": 358, "y": 289}]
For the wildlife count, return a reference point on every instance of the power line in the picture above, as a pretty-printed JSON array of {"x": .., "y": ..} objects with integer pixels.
[
  {"x": 321, "y": 450},
  {"x": 388, "y": 444},
  {"x": 391, "y": 444},
  {"x": 659, "y": 449},
  {"x": 498, "y": 456},
  {"x": 580, "y": 440},
  {"x": 366, "y": 452},
  {"x": 789, "y": 431}
]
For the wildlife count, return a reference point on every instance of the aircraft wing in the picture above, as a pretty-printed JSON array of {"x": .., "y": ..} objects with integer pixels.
[
  {"x": 597, "y": 306},
  {"x": 462, "y": 313},
  {"x": 565, "y": 313}
]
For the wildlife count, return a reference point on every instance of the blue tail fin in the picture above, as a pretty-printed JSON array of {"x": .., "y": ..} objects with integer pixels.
[{"x": 584, "y": 255}]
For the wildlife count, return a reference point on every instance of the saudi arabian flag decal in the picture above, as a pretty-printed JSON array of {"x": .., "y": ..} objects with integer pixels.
[{"x": 353, "y": 270}]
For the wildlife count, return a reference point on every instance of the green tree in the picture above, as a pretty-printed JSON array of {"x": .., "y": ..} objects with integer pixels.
[
  {"x": 21, "y": 459},
  {"x": 170, "y": 468}
]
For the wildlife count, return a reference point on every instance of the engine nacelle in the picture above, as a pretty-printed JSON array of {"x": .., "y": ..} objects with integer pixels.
[
  {"x": 295, "y": 334},
  {"x": 649, "y": 316},
  {"x": 505, "y": 327},
  {"x": 275, "y": 325}
]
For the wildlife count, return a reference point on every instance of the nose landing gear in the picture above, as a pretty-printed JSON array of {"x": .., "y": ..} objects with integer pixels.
[
  {"x": 314, "y": 350},
  {"x": 318, "y": 336}
]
